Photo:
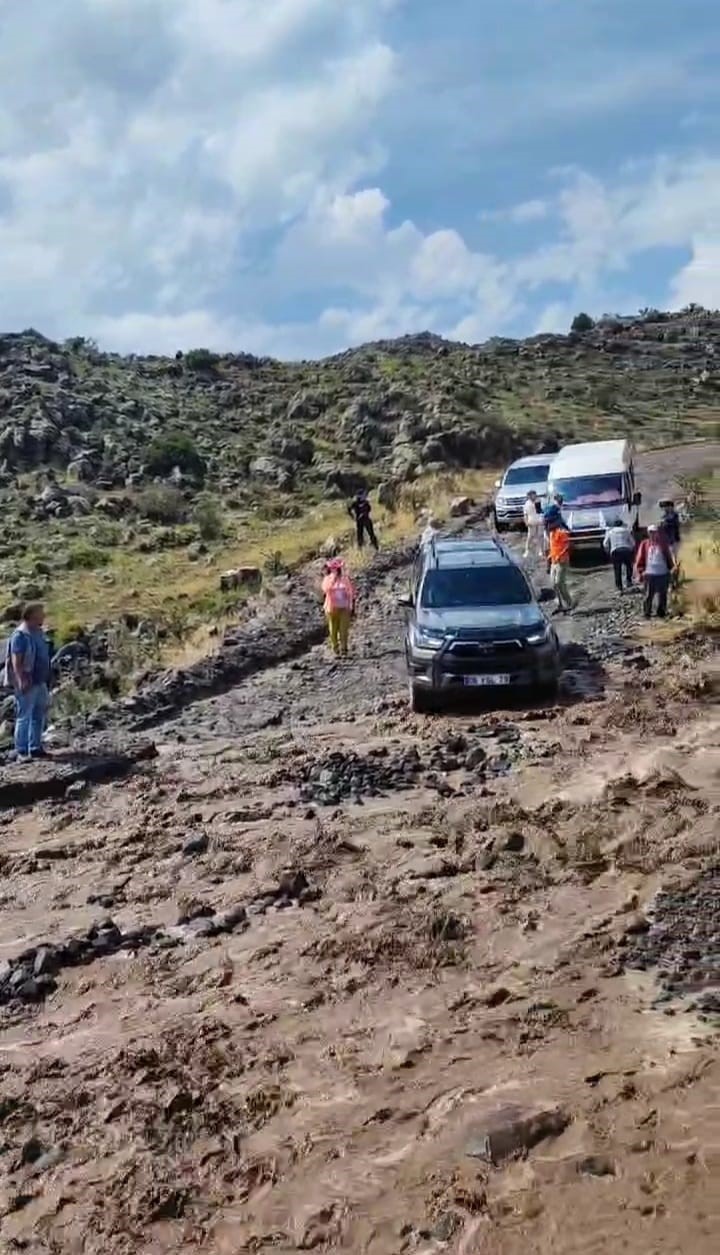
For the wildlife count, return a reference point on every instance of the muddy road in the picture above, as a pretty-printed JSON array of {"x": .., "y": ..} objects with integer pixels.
[{"x": 324, "y": 975}]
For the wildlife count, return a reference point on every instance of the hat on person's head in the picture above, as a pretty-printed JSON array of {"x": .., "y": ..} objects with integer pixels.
[{"x": 653, "y": 527}]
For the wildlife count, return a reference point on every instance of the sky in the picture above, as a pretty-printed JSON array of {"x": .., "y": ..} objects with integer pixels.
[{"x": 294, "y": 177}]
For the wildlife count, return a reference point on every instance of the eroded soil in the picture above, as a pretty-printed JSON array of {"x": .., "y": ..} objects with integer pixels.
[{"x": 325, "y": 975}]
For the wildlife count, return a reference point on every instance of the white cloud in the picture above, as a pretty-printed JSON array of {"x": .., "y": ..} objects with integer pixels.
[
  {"x": 175, "y": 172},
  {"x": 141, "y": 140},
  {"x": 699, "y": 281}
]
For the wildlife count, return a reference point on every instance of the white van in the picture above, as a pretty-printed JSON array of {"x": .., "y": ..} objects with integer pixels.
[{"x": 597, "y": 483}]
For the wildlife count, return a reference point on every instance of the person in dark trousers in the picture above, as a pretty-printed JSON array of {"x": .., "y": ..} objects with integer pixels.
[
  {"x": 654, "y": 565},
  {"x": 361, "y": 511},
  {"x": 670, "y": 525},
  {"x": 619, "y": 543}
]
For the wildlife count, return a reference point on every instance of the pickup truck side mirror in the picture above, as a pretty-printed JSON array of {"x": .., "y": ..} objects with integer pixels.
[
  {"x": 407, "y": 601},
  {"x": 637, "y": 498},
  {"x": 498, "y": 483}
]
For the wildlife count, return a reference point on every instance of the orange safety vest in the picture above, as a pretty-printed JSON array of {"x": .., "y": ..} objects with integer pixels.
[{"x": 559, "y": 545}]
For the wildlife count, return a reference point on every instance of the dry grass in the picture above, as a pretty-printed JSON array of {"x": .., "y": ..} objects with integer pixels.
[
  {"x": 700, "y": 591},
  {"x": 167, "y": 586}
]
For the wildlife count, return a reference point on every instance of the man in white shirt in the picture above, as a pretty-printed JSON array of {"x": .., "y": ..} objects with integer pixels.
[
  {"x": 534, "y": 540},
  {"x": 619, "y": 543}
]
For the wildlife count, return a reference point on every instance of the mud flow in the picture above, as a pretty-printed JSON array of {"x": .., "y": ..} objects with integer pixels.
[{"x": 304, "y": 971}]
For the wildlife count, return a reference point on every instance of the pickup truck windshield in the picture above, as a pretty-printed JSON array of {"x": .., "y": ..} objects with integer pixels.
[
  {"x": 526, "y": 475},
  {"x": 591, "y": 490},
  {"x": 475, "y": 586}
]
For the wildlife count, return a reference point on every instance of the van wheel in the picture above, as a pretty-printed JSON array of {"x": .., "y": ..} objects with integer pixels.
[{"x": 421, "y": 702}]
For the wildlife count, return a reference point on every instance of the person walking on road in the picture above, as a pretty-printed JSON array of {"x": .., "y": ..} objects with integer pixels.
[
  {"x": 27, "y": 673},
  {"x": 619, "y": 544},
  {"x": 559, "y": 555},
  {"x": 339, "y": 606},
  {"x": 534, "y": 538},
  {"x": 654, "y": 566},
  {"x": 361, "y": 511}
]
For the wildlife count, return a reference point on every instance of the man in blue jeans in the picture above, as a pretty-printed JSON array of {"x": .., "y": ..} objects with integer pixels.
[{"x": 27, "y": 672}]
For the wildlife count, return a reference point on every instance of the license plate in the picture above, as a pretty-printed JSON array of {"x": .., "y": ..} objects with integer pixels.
[{"x": 485, "y": 681}]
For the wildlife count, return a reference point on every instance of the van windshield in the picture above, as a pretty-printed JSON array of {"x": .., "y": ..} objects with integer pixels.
[
  {"x": 526, "y": 475},
  {"x": 589, "y": 490},
  {"x": 475, "y": 586}
]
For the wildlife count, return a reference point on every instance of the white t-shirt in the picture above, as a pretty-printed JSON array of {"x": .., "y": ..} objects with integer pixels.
[
  {"x": 530, "y": 514},
  {"x": 656, "y": 563}
]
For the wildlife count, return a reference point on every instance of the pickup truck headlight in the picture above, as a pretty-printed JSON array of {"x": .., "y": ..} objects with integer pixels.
[
  {"x": 540, "y": 636},
  {"x": 428, "y": 638}
]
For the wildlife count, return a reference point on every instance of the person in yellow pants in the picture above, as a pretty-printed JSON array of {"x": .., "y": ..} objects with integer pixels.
[{"x": 339, "y": 593}]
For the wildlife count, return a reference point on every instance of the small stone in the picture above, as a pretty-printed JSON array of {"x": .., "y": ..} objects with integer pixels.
[
  {"x": 515, "y": 843},
  {"x": 477, "y": 757},
  {"x": 46, "y": 961},
  {"x": 637, "y": 925},
  {"x": 509, "y": 1128},
  {"x": 196, "y": 845},
  {"x": 32, "y": 1150},
  {"x": 292, "y": 883},
  {"x": 596, "y": 1166},
  {"x": 76, "y": 790}
]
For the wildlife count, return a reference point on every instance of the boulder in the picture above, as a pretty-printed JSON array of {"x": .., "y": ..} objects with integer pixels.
[
  {"x": 388, "y": 493},
  {"x": 340, "y": 482},
  {"x": 304, "y": 406},
  {"x": 272, "y": 471},
  {"x": 460, "y": 507},
  {"x": 241, "y": 577},
  {"x": 298, "y": 449}
]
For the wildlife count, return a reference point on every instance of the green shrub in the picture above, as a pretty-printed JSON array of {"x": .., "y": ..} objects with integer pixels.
[
  {"x": 175, "y": 448},
  {"x": 582, "y": 322},
  {"x": 207, "y": 516},
  {"x": 84, "y": 556},
  {"x": 162, "y": 504},
  {"x": 201, "y": 359}
]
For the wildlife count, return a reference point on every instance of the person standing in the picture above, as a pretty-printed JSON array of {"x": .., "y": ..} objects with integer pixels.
[
  {"x": 670, "y": 526},
  {"x": 553, "y": 515},
  {"x": 27, "y": 673},
  {"x": 339, "y": 605},
  {"x": 654, "y": 566},
  {"x": 532, "y": 514},
  {"x": 619, "y": 544},
  {"x": 559, "y": 555},
  {"x": 361, "y": 511}
]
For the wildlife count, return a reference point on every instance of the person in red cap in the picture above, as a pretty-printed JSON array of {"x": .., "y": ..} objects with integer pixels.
[{"x": 339, "y": 606}]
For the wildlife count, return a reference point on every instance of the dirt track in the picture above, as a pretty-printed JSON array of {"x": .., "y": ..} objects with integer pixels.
[{"x": 446, "y": 1020}]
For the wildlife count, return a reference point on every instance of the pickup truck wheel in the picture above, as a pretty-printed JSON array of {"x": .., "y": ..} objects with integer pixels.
[{"x": 421, "y": 702}]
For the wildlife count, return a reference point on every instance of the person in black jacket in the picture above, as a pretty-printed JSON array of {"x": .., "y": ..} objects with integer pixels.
[
  {"x": 670, "y": 525},
  {"x": 361, "y": 511}
]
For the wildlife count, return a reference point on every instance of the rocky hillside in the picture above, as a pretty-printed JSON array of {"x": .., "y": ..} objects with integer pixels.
[{"x": 390, "y": 409}]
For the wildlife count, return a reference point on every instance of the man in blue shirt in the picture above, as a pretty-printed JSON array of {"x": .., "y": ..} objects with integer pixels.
[{"x": 27, "y": 672}]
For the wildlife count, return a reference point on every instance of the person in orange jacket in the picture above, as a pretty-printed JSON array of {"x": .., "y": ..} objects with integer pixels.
[
  {"x": 558, "y": 543},
  {"x": 339, "y": 605}
]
